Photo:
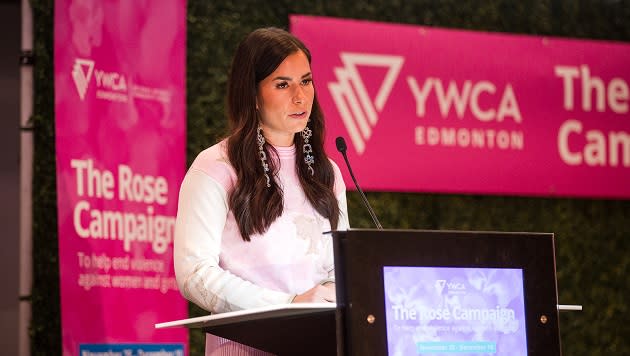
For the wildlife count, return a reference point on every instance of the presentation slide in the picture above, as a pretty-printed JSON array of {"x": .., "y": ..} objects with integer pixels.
[{"x": 454, "y": 311}]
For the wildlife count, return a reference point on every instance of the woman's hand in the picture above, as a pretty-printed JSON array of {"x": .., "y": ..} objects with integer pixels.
[{"x": 318, "y": 294}]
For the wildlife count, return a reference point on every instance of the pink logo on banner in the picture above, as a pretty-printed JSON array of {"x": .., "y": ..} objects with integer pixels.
[
  {"x": 436, "y": 110},
  {"x": 120, "y": 144}
]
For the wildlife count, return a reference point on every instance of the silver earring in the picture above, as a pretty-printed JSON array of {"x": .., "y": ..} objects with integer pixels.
[
  {"x": 308, "y": 149},
  {"x": 263, "y": 155}
]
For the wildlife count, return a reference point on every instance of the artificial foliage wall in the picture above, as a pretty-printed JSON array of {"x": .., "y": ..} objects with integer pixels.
[{"x": 591, "y": 235}]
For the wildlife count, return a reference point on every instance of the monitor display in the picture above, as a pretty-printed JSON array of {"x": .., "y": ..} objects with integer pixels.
[{"x": 454, "y": 311}]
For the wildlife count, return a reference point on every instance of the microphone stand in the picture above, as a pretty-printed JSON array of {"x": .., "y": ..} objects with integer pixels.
[{"x": 341, "y": 147}]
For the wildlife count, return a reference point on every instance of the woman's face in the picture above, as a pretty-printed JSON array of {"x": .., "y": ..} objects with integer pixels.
[{"x": 285, "y": 100}]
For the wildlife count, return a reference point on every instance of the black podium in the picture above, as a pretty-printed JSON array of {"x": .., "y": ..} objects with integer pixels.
[
  {"x": 415, "y": 292},
  {"x": 364, "y": 259}
]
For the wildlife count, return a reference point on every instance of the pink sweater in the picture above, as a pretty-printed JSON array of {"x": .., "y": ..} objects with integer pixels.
[{"x": 220, "y": 272}]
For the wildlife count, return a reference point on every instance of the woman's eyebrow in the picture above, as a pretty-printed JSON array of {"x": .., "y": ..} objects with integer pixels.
[{"x": 289, "y": 78}]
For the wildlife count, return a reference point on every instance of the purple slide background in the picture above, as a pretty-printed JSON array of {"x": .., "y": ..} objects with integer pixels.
[{"x": 419, "y": 289}]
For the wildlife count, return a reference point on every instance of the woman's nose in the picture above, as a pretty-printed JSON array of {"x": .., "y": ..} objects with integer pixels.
[{"x": 299, "y": 96}]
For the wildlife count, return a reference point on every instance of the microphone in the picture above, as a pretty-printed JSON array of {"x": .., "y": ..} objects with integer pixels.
[{"x": 341, "y": 147}]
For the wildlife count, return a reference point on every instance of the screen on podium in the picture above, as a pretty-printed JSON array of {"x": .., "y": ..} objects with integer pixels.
[{"x": 444, "y": 310}]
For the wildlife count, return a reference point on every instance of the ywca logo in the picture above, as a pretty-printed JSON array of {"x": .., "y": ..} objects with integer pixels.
[
  {"x": 439, "y": 285},
  {"x": 81, "y": 74},
  {"x": 451, "y": 287},
  {"x": 358, "y": 111}
]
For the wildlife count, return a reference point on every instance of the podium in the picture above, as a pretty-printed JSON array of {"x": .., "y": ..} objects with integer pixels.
[{"x": 415, "y": 292}]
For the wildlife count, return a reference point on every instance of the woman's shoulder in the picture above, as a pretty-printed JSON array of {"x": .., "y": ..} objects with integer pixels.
[
  {"x": 334, "y": 164},
  {"x": 340, "y": 186},
  {"x": 213, "y": 161}
]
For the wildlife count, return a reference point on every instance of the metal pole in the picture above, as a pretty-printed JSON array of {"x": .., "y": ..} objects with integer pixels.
[{"x": 26, "y": 179}]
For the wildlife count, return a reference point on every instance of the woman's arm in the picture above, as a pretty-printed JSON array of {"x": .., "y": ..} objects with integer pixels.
[{"x": 201, "y": 216}]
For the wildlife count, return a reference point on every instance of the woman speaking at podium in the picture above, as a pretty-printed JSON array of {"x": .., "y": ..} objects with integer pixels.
[{"x": 253, "y": 207}]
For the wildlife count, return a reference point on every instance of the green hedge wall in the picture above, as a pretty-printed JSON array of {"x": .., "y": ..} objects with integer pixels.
[{"x": 591, "y": 235}]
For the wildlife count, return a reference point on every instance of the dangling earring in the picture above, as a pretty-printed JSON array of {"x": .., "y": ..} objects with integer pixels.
[
  {"x": 263, "y": 155},
  {"x": 307, "y": 149}
]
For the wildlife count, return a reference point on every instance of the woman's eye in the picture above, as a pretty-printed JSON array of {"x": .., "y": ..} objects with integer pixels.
[
  {"x": 307, "y": 81},
  {"x": 282, "y": 85}
]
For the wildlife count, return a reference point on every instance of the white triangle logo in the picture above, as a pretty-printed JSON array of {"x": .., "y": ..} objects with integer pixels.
[
  {"x": 358, "y": 112},
  {"x": 439, "y": 285},
  {"x": 81, "y": 74}
]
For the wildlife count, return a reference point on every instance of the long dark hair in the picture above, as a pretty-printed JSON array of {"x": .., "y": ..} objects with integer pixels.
[{"x": 256, "y": 206}]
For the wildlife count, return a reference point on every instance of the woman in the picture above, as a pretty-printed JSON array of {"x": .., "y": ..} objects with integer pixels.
[{"x": 252, "y": 208}]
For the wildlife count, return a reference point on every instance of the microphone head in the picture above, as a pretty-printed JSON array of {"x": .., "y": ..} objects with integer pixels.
[{"x": 341, "y": 144}]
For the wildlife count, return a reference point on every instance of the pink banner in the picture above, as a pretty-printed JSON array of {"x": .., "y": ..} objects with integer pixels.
[
  {"x": 433, "y": 110},
  {"x": 120, "y": 141}
]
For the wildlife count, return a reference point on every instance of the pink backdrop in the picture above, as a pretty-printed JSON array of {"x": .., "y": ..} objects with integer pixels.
[
  {"x": 433, "y": 110},
  {"x": 120, "y": 141}
]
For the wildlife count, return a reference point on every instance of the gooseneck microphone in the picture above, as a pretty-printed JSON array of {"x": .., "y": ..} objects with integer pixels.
[{"x": 341, "y": 147}]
